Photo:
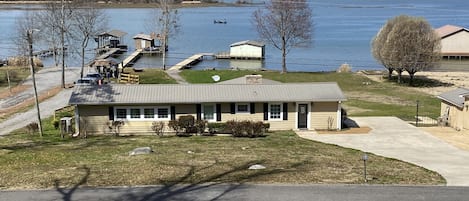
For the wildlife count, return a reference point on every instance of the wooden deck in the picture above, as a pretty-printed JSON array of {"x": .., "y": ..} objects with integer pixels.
[
  {"x": 133, "y": 57},
  {"x": 189, "y": 62}
]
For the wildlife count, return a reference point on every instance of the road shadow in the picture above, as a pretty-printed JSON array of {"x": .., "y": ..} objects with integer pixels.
[
  {"x": 68, "y": 192},
  {"x": 182, "y": 189}
]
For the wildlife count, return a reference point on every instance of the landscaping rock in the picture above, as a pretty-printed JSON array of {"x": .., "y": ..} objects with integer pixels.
[
  {"x": 140, "y": 150},
  {"x": 256, "y": 167}
]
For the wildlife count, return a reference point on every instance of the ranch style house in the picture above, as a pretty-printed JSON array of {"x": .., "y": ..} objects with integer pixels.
[{"x": 284, "y": 106}]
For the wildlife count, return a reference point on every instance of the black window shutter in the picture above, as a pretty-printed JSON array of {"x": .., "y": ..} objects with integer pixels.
[
  {"x": 173, "y": 112},
  {"x": 111, "y": 113},
  {"x": 266, "y": 111},
  {"x": 252, "y": 107},
  {"x": 285, "y": 111},
  {"x": 218, "y": 108},
  {"x": 233, "y": 108},
  {"x": 199, "y": 111}
]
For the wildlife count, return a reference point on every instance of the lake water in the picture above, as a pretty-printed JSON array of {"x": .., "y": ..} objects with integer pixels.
[{"x": 342, "y": 32}]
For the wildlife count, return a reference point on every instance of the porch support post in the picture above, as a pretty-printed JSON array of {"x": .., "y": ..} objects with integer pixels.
[{"x": 339, "y": 115}]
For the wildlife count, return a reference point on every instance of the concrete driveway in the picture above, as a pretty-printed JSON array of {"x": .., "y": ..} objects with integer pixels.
[{"x": 394, "y": 138}]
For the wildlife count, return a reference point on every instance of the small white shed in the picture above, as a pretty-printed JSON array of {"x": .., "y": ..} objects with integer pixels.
[{"x": 247, "y": 49}]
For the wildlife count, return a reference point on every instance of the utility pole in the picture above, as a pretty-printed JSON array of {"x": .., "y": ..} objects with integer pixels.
[
  {"x": 31, "y": 64},
  {"x": 166, "y": 19},
  {"x": 62, "y": 41}
]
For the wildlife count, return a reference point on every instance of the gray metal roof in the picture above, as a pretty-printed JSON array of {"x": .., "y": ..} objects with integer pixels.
[
  {"x": 205, "y": 93},
  {"x": 248, "y": 42},
  {"x": 455, "y": 97},
  {"x": 143, "y": 36},
  {"x": 116, "y": 33}
]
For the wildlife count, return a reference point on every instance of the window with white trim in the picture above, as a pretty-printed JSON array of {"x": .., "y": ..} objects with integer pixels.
[
  {"x": 135, "y": 113},
  {"x": 143, "y": 113},
  {"x": 208, "y": 112},
  {"x": 275, "y": 111},
  {"x": 242, "y": 108},
  {"x": 148, "y": 113},
  {"x": 121, "y": 113},
  {"x": 163, "y": 112}
]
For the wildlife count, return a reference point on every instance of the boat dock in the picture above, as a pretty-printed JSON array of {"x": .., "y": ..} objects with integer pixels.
[
  {"x": 134, "y": 56},
  {"x": 189, "y": 62},
  {"x": 108, "y": 53},
  {"x": 46, "y": 53}
]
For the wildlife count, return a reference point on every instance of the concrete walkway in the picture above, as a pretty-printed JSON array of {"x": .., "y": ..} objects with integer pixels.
[
  {"x": 394, "y": 138},
  {"x": 175, "y": 75},
  {"x": 46, "y": 79}
]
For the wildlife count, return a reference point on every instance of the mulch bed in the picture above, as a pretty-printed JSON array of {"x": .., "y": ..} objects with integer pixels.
[{"x": 361, "y": 130}]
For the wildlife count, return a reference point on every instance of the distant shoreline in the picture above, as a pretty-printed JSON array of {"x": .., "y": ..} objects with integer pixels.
[{"x": 18, "y": 5}]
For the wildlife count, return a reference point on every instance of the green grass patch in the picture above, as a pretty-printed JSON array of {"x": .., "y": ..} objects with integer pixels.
[
  {"x": 153, "y": 76},
  {"x": 17, "y": 75},
  {"x": 197, "y": 76},
  {"x": 28, "y": 161}
]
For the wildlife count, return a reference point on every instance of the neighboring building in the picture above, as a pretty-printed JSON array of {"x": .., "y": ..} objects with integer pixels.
[
  {"x": 247, "y": 50},
  {"x": 454, "y": 41},
  {"x": 111, "y": 39},
  {"x": 454, "y": 108},
  {"x": 284, "y": 106},
  {"x": 143, "y": 41}
]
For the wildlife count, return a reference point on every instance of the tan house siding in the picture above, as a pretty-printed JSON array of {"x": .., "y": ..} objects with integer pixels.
[
  {"x": 257, "y": 116},
  {"x": 138, "y": 44},
  {"x": 455, "y": 116},
  {"x": 466, "y": 113},
  {"x": 321, "y": 112},
  {"x": 456, "y": 44},
  {"x": 94, "y": 119}
]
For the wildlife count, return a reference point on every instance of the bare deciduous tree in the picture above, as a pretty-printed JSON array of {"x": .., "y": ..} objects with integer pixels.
[
  {"x": 378, "y": 43},
  {"x": 87, "y": 21},
  {"x": 166, "y": 20},
  {"x": 285, "y": 24},
  {"x": 411, "y": 45},
  {"x": 54, "y": 21}
]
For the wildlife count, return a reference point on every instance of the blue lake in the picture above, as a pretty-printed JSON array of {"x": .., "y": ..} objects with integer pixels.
[{"x": 342, "y": 32}]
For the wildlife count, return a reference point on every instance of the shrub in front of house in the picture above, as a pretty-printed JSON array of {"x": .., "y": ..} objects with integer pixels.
[
  {"x": 200, "y": 126},
  {"x": 32, "y": 128},
  {"x": 175, "y": 126},
  {"x": 187, "y": 124},
  {"x": 246, "y": 128},
  {"x": 218, "y": 128},
  {"x": 158, "y": 127}
]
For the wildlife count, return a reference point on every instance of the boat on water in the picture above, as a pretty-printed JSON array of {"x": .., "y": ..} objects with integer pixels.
[{"x": 223, "y": 21}]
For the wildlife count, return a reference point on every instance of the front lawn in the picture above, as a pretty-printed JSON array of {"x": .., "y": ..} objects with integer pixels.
[{"x": 28, "y": 161}]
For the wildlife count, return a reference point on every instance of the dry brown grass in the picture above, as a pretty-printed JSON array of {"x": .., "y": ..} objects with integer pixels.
[{"x": 104, "y": 161}]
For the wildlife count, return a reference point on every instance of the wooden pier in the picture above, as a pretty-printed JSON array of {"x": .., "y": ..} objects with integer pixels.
[
  {"x": 133, "y": 57},
  {"x": 108, "y": 53},
  {"x": 189, "y": 62},
  {"x": 48, "y": 52}
]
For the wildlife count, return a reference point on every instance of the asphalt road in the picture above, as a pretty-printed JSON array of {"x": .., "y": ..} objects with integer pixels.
[
  {"x": 248, "y": 192},
  {"x": 46, "y": 79}
]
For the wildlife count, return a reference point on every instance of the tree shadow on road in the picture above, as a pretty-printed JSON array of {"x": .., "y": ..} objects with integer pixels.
[
  {"x": 183, "y": 189},
  {"x": 68, "y": 192}
]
